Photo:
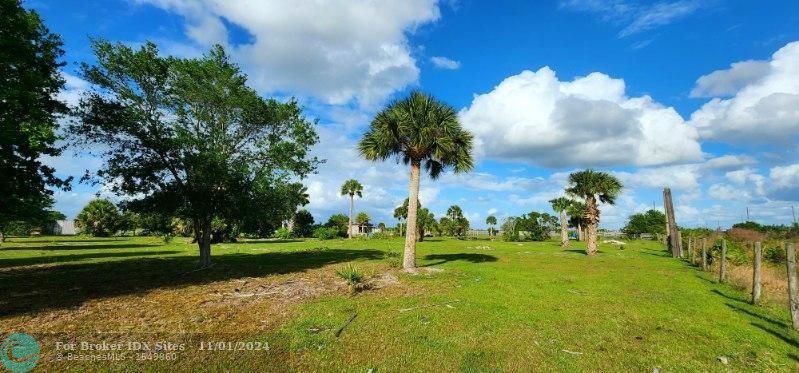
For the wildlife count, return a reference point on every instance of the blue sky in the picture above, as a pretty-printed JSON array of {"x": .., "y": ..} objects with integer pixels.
[{"x": 699, "y": 95}]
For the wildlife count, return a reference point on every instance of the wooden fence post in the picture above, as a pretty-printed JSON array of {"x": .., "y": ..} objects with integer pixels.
[
  {"x": 674, "y": 240},
  {"x": 756, "y": 274},
  {"x": 723, "y": 266},
  {"x": 704, "y": 254},
  {"x": 793, "y": 286},
  {"x": 691, "y": 250}
]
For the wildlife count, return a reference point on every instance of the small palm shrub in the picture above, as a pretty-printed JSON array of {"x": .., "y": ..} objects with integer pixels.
[
  {"x": 326, "y": 233},
  {"x": 394, "y": 259},
  {"x": 352, "y": 275}
]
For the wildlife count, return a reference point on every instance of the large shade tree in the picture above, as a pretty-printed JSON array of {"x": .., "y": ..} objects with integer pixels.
[
  {"x": 188, "y": 137},
  {"x": 29, "y": 81},
  {"x": 421, "y": 131},
  {"x": 593, "y": 187},
  {"x": 561, "y": 206},
  {"x": 351, "y": 188}
]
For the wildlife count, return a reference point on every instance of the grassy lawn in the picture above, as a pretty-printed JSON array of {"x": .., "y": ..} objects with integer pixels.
[{"x": 478, "y": 306}]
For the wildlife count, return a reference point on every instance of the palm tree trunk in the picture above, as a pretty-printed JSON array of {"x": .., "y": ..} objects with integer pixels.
[
  {"x": 580, "y": 236},
  {"x": 409, "y": 257},
  {"x": 564, "y": 234},
  {"x": 592, "y": 217},
  {"x": 349, "y": 226}
]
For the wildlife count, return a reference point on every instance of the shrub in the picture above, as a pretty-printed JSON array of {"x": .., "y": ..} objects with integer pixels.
[
  {"x": 326, "y": 233},
  {"x": 99, "y": 218},
  {"x": 775, "y": 253},
  {"x": 283, "y": 234},
  {"x": 167, "y": 237},
  {"x": 380, "y": 236},
  {"x": 352, "y": 275},
  {"x": 394, "y": 259}
]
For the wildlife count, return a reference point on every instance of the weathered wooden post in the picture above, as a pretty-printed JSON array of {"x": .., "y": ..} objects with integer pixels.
[
  {"x": 704, "y": 254},
  {"x": 691, "y": 250},
  {"x": 723, "y": 266},
  {"x": 793, "y": 286},
  {"x": 756, "y": 275},
  {"x": 674, "y": 240}
]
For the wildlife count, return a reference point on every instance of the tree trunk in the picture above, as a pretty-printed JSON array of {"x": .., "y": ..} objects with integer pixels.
[
  {"x": 202, "y": 234},
  {"x": 2, "y": 237},
  {"x": 592, "y": 218},
  {"x": 409, "y": 258},
  {"x": 564, "y": 233},
  {"x": 580, "y": 232},
  {"x": 723, "y": 266},
  {"x": 349, "y": 226},
  {"x": 793, "y": 286},
  {"x": 756, "y": 275}
]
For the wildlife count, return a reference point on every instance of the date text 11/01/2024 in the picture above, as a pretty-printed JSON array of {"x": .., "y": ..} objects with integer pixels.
[{"x": 163, "y": 346}]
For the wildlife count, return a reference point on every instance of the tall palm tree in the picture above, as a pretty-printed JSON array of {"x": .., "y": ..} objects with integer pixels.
[
  {"x": 593, "y": 186},
  {"x": 560, "y": 205},
  {"x": 421, "y": 131},
  {"x": 491, "y": 220},
  {"x": 352, "y": 188}
]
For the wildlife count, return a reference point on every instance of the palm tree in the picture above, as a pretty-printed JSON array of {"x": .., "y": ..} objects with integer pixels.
[
  {"x": 591, "y": 186},
  {"x": 560, "y": 205},
  {"x": 421, "y": 131},
  {"x": 491, "y": 220},
  {"x": 352, "y": 188},
  {"x": 576, "y": 211}
]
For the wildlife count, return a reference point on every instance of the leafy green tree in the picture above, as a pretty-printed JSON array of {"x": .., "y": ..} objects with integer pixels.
[
  {"x": 425, "y": 222},
  {"x": 421, "y": 131},
  {"x": 652, "y": 221},
  {"x": 593, "y": 187},
  {"x": 99, "y": 218},
  {"x": 561, "y": 206},
  {"x": 190, "y": 135},
  {"x": 303, "y": 224},
  {"x": 491, "y": 221},
  {"x": 455, "y": 223},
  {"x": 401, "y": 212},
  {"x": 362, "y": 218},
  {"x": 339, "y": 222},
  {"x": 29, "y": 81},
  {"x": 351, "y": 188}
]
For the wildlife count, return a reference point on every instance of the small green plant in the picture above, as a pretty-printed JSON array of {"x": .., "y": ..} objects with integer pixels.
[
  {"x": 167, "y": 238},
  {"x": 326, "y": 233},
  {"x": 352, "y": 275},
  {"x": 394, "y": 259},
  {"x": 283, "y": 234}
]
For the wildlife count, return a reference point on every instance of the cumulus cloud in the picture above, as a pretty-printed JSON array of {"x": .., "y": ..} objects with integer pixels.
[
  {"x": 589, "y": 121},
  {"x": 445, "y": 63},
  {"x": 727, "y": 162},
  {"x": 335, "y": 51},
  {"x": 785, "y": 182},
  {"x": 765, "y": 109},
  {"x": 730, "y": 81}
]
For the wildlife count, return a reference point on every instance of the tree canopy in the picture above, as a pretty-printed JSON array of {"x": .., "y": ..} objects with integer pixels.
[
  {"x": 29, "y": 111},
  {"x": 99, "y": 218},
  {"x": 188, "y": 137},
  {"x": 652, "y": 222}
]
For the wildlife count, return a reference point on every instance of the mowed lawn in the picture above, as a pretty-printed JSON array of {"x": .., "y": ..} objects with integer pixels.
[{"x": 477, "y": 305}]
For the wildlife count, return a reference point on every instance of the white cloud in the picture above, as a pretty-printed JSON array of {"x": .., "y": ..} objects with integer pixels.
[
  {"x": 784, "y": 183},
  {"x": 684, "y": 178},
  {"x": 763, "y": 110},
  {"x": 589, "y": 121},
  {"x": 336, "y": 51},
  {"x": 727, "y": 162},
  {"x": 445, "y": 63},
  {"x": 730, "y": 81}
]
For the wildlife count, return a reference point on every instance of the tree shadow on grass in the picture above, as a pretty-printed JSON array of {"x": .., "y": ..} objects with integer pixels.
[
  {"x": 52, "y": 259},
  {"x": 33, "y": 289},
  {"x": 61, "y": 239},
  {"x": 731, "y": 297},
  {"x": 473, "y": 258},
  {"x": 784, "y": 334},
  {"x": 758, "y": 315},
  {"x": 268, "y": 240},
  {"x": 581, "y": 251},
  {"x": 93, "y": 246}
]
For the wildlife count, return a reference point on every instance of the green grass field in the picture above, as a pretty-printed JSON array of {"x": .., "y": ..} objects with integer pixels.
[{"x": 478, "y": 306}]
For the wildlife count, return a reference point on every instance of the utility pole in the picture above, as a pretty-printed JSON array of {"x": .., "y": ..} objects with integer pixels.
[
  {"x": 747, "y": 213},
  {"x": 793, "y": 211}
]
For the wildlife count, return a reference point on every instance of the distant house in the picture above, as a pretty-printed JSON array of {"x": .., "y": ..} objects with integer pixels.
[
  {"x": 64, "y": 227},
  {"x": 363, "y": 229}
]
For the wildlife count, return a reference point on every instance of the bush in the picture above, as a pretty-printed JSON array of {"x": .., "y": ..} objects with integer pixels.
[
  {"x": 283, "y": 234},
  {"x": 775, "y": 253},
  {"x": 352, "y": 275},
  {"x": 394, "y": 259},
  {"x": 326, "y": 233},
  {"x": 100, "y": 218},
  {"x": 379, "y": 236}
]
